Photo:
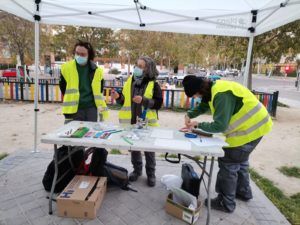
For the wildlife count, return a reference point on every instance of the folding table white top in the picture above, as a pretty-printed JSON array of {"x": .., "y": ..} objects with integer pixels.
[{"x": 153, "y": 139}]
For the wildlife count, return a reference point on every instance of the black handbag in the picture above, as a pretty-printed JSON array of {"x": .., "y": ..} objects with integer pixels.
[{"x": 191, "y": 181}]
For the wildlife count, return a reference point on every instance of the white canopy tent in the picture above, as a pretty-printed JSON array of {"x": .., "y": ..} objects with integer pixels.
[{"x": 243, "y": 18}]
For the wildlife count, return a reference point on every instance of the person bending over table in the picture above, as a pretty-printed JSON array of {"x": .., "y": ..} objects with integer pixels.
[
  {"x": 141, "y": 94},
  {"x": 242, "y": 119}
]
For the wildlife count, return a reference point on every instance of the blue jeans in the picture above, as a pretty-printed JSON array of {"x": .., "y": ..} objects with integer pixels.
[{"x": 233, "y": 175}]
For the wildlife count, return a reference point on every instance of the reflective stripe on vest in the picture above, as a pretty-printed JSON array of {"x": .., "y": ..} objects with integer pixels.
[
  {"x": 71, "y": 91},
  {"x": 249, "y": 130},
  {"x": 237, "y": 123},
  {"x": 125, "y": 109},
  {"x": 251, "y": 122},
  {"x": 70, "y": 103}
]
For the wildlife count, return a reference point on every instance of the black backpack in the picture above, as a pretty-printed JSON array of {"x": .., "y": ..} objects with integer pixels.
[
  {"x": 191, "y": 181},
  {"x": 116, "y": 175},
  {"x": 64, "y": 168}
]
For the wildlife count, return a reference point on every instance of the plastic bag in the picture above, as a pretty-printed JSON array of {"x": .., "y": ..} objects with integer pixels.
[
  {"x": 170, "y": 180},
  {"x": 184, "y": 198}
]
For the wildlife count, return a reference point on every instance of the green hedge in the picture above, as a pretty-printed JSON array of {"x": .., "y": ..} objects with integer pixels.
[{"x": 6, "y": 66}]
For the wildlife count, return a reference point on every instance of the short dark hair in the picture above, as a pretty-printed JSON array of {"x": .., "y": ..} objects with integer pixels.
[
  {"x": 86, "y": 45},
  {"x": 193, "y": 85}
]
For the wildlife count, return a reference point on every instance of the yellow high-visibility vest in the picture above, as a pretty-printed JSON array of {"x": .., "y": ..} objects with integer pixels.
[
  {"x": 71, "y": 96},
  {"x": 125, "y": 111},
  {"x": 251, "y": 122}
]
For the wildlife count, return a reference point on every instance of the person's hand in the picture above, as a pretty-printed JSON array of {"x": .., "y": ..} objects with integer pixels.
[
  {"x": 137, "y": 99},
  {"x": 187, "y": 120},
  {"x": 115, "y": 95},
  {"x": 192, "y": 124}
]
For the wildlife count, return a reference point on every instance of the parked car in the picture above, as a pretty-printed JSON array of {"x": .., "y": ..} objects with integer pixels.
[
  {"x": 234, "y": 72},
  {"x": 201, "y": 73},
  {"x": 12, "y": 72},
  {"x": 214, "y": 77},
  {"x": 163, "y": 76},
  {"x": 123, "y": 76},
  {"x": 179, "y": 76}
]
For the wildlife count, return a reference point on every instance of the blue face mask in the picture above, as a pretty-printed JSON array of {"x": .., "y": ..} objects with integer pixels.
[
  {"x": 81, "y": 60},
  {"x": 198, "y": 100},
  {"x": 137, "y": 72}
]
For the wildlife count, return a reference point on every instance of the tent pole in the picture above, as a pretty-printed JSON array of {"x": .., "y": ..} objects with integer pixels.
[
  {"x": 246, "y": 82},
  {"x": 247, "y": 76},
  {"x": 36, "y": 62}
]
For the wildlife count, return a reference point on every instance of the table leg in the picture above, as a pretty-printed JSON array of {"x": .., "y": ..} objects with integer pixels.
[
  {"x": 208, "y": 190},
  {"x": 54, "y": 178},
  {"x": 70, "y": 157},
  {"x": 203, "y": 171}
]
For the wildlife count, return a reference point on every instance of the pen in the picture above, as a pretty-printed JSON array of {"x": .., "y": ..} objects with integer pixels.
[
  {"x": 129, "y": 142},
  {"x": 116, "y": 131}
]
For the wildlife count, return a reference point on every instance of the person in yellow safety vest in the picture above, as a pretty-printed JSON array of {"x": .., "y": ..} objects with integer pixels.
[
  {"x": 141, "y": 94},
  {"x": 243, "y": 120},
  {"x": 81, "y": 83}
]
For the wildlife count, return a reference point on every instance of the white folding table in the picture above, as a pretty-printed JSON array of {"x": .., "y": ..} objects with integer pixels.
[{"x": 160, "y": 140}]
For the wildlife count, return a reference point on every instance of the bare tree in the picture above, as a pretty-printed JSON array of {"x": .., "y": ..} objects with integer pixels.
[{"x": 18, "y": 34}]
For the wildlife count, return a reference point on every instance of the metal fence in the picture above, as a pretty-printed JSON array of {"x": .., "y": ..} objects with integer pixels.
[{"x": 49, "y": 91}]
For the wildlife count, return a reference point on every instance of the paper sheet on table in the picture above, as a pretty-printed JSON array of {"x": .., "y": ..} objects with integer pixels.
[
  {"x": 168, "y": 134},
  {"x": 208, "y": 142},
  {"x": 173, "y": 144}
]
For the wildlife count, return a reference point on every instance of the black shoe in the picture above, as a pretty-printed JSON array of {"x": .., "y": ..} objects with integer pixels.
[
  {"x": 151, "y": 180},
  {"x": 134, "y": 175},
  {"x": 217, "y": 204},
  {"x": 242, "y": 198}
]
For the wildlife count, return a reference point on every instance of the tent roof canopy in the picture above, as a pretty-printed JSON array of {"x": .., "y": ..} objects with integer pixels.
[{"x": 214, "y": 17}]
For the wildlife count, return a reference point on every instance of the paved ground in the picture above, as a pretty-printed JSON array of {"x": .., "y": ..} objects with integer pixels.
[{"x": 23, "y": 199}]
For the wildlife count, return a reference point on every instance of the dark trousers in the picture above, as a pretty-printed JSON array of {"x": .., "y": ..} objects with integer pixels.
[
  {"x": 89, "y": 114},
  {"x": 233, "y": 176},
  {"x": 137, "y": 162}
]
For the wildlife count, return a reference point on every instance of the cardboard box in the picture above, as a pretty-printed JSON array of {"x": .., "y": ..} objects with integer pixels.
[
  {"x": 182, "y": 212},
  {"x": 82, "y": 197}
]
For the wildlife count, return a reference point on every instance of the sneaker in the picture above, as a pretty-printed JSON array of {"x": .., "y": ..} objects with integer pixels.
[
  {"x": 151, "y": 180},
  {"x": 134, "y": 175},
  {"x": 217, "y": 204}
]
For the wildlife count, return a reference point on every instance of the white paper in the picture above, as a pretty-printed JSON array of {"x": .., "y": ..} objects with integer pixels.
[
  {"x": 168, "y": 134},
  {"x": 173, "y": 144},
  {"x": 213, "y": 141},
  {"x": 84, "y": 184}
]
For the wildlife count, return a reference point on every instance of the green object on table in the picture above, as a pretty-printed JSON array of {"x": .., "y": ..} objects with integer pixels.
[
  {"x": 80, "y": 132},
  {"x": 126, "y": 139},
  {"x": 115, "y": 131}
]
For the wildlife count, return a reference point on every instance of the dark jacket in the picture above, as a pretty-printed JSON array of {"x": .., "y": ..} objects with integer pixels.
[{"x": 138, "y": 88}]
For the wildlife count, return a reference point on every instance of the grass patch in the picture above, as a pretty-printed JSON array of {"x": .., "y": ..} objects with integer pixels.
[
  {"x": 290, "y": 171},
  {"x": 288, "y": 206},
  {"x": 280, "y": 104},
  {"x": 3, "y": 155},
  {"x": 115, "y": 152}
]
